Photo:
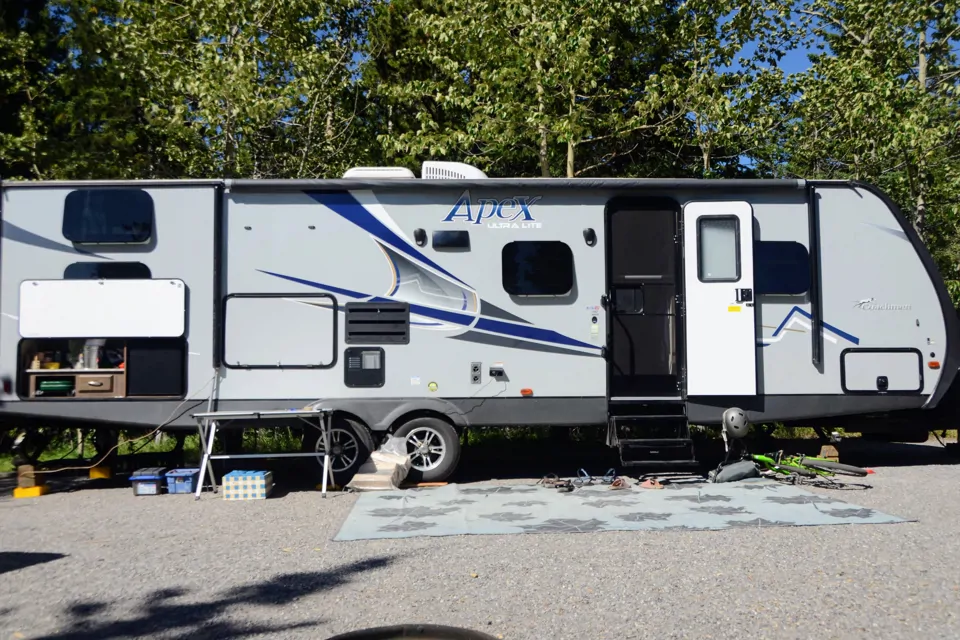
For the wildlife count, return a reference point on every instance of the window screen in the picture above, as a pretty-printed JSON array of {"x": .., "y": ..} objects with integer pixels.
[
  {"x": 537, "y": 268},
  {"x": 108, "y": 216},
  {"x": 781, "y": 268},
  {"x": 107, "y": 271},
  {"x": 719, "y": 249}
]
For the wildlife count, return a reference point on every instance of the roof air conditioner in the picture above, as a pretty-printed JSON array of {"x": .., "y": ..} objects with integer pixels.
[{"x": 435, "y": 170}]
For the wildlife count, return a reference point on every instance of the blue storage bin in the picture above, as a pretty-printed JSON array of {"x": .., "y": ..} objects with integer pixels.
[
  {"x": 147, "y": 481},
  {"x": 182, "y": 480}
]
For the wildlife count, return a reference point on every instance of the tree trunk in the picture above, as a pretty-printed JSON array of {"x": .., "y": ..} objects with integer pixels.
[
  {"x": 571, "y": 145},
  {"x": 328, "y": 125},
  {"x": 541, "y": 109},
  {"x": 921, "y": 216}
]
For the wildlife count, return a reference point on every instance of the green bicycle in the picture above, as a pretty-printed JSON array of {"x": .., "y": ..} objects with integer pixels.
[
  {"x": 772, "y": 464},
  {"x": 803, "y": 466}
]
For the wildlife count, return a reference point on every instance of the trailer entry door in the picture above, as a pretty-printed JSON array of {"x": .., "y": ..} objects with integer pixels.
[{"x": 720, "y": 317}]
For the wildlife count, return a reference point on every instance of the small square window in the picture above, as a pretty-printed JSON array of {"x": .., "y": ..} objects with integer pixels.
[
  {"x": 718, "y": 249},
  {"x": 108, "y": 216},
  {"x": 451, "y": 239},
  {"x": 537, "y": 268}
]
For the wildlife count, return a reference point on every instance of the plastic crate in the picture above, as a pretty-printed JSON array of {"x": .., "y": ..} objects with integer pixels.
[
  {"x": 148, "y": 481},
  {"x": 182, "y": 480},
  {"x": 247, "y": 485}
]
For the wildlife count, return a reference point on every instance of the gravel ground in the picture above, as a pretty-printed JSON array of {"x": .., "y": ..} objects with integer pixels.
[{"x": 104, "y": 564}]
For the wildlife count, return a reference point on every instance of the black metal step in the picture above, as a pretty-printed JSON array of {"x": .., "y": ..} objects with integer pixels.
[
  {"x": 662, "y": 452},
  {"x": 661, "y": 464},
  {"x": 647, "y": 409}
]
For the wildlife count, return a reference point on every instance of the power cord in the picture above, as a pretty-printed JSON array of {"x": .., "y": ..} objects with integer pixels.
[{"x": 171, "y": 418}]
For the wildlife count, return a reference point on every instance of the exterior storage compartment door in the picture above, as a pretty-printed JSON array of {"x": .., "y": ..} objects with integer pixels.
[
  {"x": 279, "y": 331},
  {"x": 103, "y": 308},
  {"x": 877, "y": 371}
]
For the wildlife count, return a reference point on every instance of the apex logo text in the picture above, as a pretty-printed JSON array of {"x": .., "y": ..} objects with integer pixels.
[{"x": 508, "y": 213}]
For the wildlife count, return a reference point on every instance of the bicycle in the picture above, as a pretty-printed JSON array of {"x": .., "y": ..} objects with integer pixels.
[
  {"x": 803, "y": 466},
  {"x": 793, "y": 466}
]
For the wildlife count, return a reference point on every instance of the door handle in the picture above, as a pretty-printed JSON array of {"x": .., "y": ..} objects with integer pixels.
[{"x": 744, "y": 295}]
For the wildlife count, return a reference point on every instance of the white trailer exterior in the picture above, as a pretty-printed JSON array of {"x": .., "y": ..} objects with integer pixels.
[{"x": 469, "y": 302}]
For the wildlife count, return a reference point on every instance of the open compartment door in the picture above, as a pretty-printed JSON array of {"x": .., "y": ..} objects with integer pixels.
[
  {"x": 99, "y": 308},
  {"x": 721, "y": 338}
]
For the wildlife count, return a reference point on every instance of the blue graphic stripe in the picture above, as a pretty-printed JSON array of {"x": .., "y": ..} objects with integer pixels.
[
  {"x": 345, "y": 205},
  {"x": 441, "y": 314},
  {"x": 529, "y": 333},
  {"x": 525, "y": 332},
  {"x": 842, "y": 334},
  {"x": 344, "y": 292}
]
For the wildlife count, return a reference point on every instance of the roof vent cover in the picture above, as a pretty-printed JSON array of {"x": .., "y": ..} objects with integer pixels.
[{"x": 379, "y": 172}]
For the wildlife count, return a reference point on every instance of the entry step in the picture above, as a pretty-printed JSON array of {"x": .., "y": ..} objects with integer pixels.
[{"x": 657, "y": 452}]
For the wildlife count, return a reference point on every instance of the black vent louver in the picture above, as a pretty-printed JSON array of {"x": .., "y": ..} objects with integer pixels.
[{"x": 377, "y": 323}]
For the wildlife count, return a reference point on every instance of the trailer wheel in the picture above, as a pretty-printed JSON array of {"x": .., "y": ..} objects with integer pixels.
[
  {"x": 350, "y": 446},
  {"x": 434, "y": 448}
]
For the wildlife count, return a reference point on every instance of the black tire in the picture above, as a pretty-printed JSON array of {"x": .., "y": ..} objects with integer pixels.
[
  {"x": 800, "y": 471},
  {"x": 430, "y": 470},
  {"x": 351, "y": 445},
  {"x": 836, "y": 467}
]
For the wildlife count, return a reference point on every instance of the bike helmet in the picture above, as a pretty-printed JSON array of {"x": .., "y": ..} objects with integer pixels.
[{"x": 735, "y": 423}]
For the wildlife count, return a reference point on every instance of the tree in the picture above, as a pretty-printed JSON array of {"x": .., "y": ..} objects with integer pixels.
[
  {"x": 526, "y": 88},
  {"x": 880, "y": 103}
]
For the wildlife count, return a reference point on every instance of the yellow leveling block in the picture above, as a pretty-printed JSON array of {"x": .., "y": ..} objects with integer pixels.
[
  {"x": 31, "y": 492},
  {"x": 100, "y": 473}
]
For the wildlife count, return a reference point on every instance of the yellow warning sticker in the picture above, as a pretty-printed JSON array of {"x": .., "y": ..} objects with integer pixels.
[{"x": 733, "y": 308}]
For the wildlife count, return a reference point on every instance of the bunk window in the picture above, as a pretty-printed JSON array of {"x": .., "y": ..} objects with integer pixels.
[
  {"x": 781, "y": 268},
  {"x": 537, "y": 268},
  {"x": 108, "y": 216},
  {"x": 107, "y": 271},
  {"x": 718, "y": 248}
]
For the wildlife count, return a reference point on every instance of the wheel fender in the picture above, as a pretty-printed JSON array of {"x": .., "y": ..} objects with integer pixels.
[{"x": 379, "y": 414}]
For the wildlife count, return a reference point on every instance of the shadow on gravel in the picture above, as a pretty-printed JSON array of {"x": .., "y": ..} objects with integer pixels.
[
  {"x": 208, "y": 618},
  {"x": 14, "y": 560},
  {"x": 867, "y": 453}
]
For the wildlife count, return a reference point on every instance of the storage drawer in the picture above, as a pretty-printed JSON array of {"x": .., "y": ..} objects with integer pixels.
[
  {"x": 100, "y": 385},
  {"x": 881, "y": 371}
]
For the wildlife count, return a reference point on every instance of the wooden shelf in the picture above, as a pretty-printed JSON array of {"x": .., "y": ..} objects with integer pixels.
[{"x": 74, "y": 372}]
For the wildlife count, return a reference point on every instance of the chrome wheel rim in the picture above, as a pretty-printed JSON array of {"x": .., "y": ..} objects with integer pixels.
[
  {"x": 344, "y": 449},
  {"x": 426, "y": 448}
]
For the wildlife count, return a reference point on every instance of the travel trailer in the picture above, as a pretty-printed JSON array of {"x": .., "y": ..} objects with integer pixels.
[{"x": 421, "y": 306}]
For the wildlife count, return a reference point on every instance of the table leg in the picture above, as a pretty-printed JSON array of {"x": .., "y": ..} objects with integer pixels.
[
  {"x": 208, "y": 434},
  {"x": 201, "y": 424},
  {"x": 325, "y": 434}
]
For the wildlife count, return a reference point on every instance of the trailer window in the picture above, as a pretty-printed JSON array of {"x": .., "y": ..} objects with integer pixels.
[
  {"x": 781, "y": 268},
  {"x": 108, "y": 216},
  {"x": 537, "y": 268},
  {"x": 107, "y": 271},
  {"x": 718, "y": 240}
]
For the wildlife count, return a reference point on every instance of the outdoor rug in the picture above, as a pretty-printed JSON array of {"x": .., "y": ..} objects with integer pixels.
[{"x": 498, "y": 509}]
